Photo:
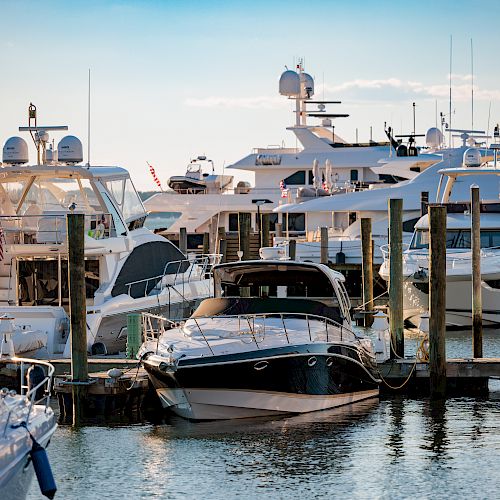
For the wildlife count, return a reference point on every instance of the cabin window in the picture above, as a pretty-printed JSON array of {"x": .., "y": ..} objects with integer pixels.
[
  {"x": 457, "y": 238},
  {"x": 273, "y": 220},
  {"x": 409, "y": 225},
  {"x": 296, "y": 179},
  {"x": 38, "y": 281},
  {"x": 126, "y": 198},
  {"x": 296, "y": 222},
  {"x": 311, "y": 177},
  {"x": 118, "y": 223},
  {"x": 354, "y": 175}
]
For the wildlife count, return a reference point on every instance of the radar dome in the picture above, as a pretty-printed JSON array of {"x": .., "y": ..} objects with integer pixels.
[
  {"x": 289, "y": 84},
  {"x": 472, "y": 158},
  {"x": 434, "y": 137},
  {"x": 15, "y": 151},
  {"x": 70, "y": 150},
  {"x": 308, "y": 83}
]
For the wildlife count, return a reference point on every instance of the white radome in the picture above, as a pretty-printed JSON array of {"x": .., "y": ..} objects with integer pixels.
[
  {"x": 290, "y": 84},
  {"x": 70, "y": 150},
  {"x": 472, "y": 158},
  {"x": 15, "y": 151},
  {"x": 434, "y": 137}
]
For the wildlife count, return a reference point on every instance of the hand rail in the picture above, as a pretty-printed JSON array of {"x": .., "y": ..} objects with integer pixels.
[
  {"x": 198, "y": 266},
  {"x": 29, "y": 393}
]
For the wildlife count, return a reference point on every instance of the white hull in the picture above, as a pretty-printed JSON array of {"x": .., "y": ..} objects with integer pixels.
[
  {"x": 221, "y": 404},
  {"x": 458, "y": 303}
]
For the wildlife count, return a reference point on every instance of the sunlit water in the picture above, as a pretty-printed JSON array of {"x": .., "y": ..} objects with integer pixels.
[{"x": 392, "y": 448}]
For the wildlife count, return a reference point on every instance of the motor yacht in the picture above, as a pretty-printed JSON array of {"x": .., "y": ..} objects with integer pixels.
[
  {"x": 128, "y": 268},
  {"x": 458, "y": 248},
  {"x": 277, "y": 338},
  {"x": 25, "y": 418},
  {"x": 281, "y": 173},
  {"x": 342, "y": 213}
]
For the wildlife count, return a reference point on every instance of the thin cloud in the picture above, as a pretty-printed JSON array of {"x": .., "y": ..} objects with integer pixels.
[{"x": 362, "y": 90}]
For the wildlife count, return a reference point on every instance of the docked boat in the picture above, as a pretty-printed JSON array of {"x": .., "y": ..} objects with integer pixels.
[
  {"x": 458, "y": 248},
  {"x": 196, "y": 181},
  {"x": 342, "y": 213},
  {"x": 128, "y": 268},
  {"x": 28, "y": 423},
  {"x": 276, "y": 338},
  {"x": 281, "y": 173}
]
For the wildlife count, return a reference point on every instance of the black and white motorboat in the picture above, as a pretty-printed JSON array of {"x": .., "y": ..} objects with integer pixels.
[
  {"x": 27, "y": 423},
  {"x": 275, "y": 339}
]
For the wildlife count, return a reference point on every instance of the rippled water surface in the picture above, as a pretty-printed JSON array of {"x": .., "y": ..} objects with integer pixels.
[{"x": 392, "y": 448}]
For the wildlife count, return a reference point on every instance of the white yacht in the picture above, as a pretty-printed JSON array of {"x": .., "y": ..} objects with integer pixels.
[
  {"x": 280, "y": 172},
  {"x": 26, "y": 418},
  {"x": 127, "y": 267},
  {"x": 342, "y": 213},
  {"x": 277, "y": 338},
  {"x": 458, "y": 244}
]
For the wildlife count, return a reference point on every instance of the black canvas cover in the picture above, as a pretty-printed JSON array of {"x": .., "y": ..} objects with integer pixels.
[
  {"x": 257, "y": 305},
  {"x": 148, "y": 261}
]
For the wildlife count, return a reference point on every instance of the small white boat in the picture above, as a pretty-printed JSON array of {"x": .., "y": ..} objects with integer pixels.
[{"x": 27, "y": 423}]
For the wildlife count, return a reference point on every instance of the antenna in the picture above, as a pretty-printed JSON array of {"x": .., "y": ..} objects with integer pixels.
[
  {"x": 88, "y": 126},
  {"x": 451, "y": 57},
  {"x": 489, "y": 116},
  {"x": 414, "y": 127},
  {"x": 472, "y": 84}
]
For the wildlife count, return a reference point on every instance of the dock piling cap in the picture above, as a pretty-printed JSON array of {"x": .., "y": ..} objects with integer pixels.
[{"x": 6, "y": 325}]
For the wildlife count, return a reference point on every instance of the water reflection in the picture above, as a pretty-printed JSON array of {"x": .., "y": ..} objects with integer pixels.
[
  {"x": 435, "y": 429},
  {"x": 396, "y": 428}
]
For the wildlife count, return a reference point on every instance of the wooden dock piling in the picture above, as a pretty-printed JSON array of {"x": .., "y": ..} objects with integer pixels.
[
  {"x": 292, "y": 249},
  {"x": 437, "y": 301},
  {"x": 324, "y": 245},
  {"x": 265, "y": 230},
  {"x": 367, "y": 268},
  {"x": 396, "y": 277},
  {"x": 477, "y": 307},
  {"x": 183, "y": 240},
  {"x": 78, "y": 320},
  {"x": 244, "y": 234},
  {"x": 278, "y": 230}
]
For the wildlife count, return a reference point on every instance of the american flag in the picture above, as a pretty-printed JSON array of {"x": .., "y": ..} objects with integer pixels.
[
  {"x": 325, "y": 186},
  {"x": 284, "y": 190},
  {"x": 155, "y": 178}
]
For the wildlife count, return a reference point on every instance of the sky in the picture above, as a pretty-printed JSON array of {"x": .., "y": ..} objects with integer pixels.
[{"x": 172, "y": 80}]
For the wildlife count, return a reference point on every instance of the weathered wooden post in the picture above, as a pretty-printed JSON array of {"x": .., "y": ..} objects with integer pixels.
[
  {"x": 292, "y": 249},
  {"x": 477, "y": 308},
  {"x": 265, "y": 230},
  {"x": 77, "y": 311},
  {"x": 206, "y": 243},
  {"x": 278, "y": 230},
  {"x": 324, "y": 245},
  {"x": 437, "y": 301},
  {"x": 244, "y": 227},
  {"x": 221, "y": 236},
  {"x": 424, "y": 202},
  {"x": 183, "y": 240},
  {"x": 396, "y": 277},
  {"x": 367, "y": 268}
]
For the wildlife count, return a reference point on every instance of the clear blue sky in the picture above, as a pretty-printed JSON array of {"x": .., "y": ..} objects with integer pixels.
[{"x": 174, "y": 79}]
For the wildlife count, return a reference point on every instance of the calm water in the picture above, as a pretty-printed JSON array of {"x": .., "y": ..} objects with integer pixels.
[{"x": 392, "y": 448}]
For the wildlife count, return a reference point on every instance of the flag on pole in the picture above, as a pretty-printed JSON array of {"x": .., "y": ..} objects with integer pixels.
[
  {"x": 2, "y": 243},
  {"x": 155, "y": 178}
]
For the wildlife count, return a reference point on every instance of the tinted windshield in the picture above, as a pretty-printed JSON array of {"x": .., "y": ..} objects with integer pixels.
[{"x": 457, "y": 238}]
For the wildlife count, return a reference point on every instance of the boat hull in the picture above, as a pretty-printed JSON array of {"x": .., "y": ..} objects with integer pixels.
[{"x": 298, "y": 379}]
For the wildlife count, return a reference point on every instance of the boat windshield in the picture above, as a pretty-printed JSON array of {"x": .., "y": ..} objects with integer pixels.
[
  {"x": 47, "y": 195},
  {"x": 126, "y": 198},
  {"x": 457, "y": 238}
]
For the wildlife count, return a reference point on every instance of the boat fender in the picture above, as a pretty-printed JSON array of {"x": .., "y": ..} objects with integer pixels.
[
  {"x": 340, "y": 258},
  {"x": 42, "y": 469},
  {"x": 36, "y": 376}
]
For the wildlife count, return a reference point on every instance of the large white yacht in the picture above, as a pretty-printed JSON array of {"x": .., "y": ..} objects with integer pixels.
[
  {"x": 128, "y": 268},
  {"x": 205, "y": 200},
  {"x": 456, "y": 184},
  {"x": 342, "y": 213}
]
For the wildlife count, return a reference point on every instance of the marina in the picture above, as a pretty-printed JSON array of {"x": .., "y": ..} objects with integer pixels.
[{"x": 185, "y": 315}]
